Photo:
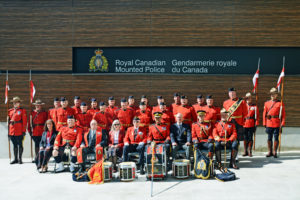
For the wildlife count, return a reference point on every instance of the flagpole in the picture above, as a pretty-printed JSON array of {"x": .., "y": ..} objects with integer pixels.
[
  {"x": 280, "y": 112},
  {"x": 30, "y": 116},
  {"x": 256, "y": 101},
  {"x": 7, "y": 111}
]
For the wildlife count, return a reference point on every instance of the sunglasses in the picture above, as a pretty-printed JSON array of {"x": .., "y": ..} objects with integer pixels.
[{"x": 116, "y": 124}]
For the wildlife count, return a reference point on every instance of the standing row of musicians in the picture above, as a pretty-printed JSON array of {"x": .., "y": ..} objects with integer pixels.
[{"x": 204, "y": 119}]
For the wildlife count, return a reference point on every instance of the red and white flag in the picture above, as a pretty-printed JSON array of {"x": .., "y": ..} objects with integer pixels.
[
  {"x": 280, "y": 79},
  {"x": 32, "y": 91},
  {"x": 255, "y": 79},
  {"x": 6, "y": 92}
]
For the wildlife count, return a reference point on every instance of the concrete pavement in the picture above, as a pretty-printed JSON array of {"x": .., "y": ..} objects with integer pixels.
[{"x": 258, "y": 178}]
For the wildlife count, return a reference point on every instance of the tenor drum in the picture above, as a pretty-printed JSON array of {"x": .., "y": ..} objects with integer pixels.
[
  {"x": 108, "y": 166},
  {"x": 160, "y": 162},
  {"x": 127, "y": 171},
  {"x": 181, "y": 168}
]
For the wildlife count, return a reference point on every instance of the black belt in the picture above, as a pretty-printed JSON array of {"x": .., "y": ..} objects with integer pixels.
[
  {"x": 272, "y": 116},
  {"x": 15, "y": 122},
  {"x": 159, "y": 139}
]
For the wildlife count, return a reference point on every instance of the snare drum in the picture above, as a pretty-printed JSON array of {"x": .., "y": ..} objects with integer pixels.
[
  {"x": 181, "y": 168},
  {"x": 127, "y": 171},
  {"x": 108, "y": 171}
]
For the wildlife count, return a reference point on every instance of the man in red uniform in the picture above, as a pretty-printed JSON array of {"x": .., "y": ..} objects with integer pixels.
[
  {"x": 167, "y": 117},
  {"x": 111, "y": 108},
  {"x": 145, "y": 99},
  {"x": 144, "y": 116},
  {"x": 200, "y": 103},
  {"x": 102, "y": 117},
  {"x": 225, "y": 133},
  {"x": 160, "y": 134},
  {"x": 131, "y": 104},
  {"x": 187, "y": 111},
  {"x": 273, "y": 120},
  {"x": 17, "y": 120},
  {"x": 77, "y": 103},
  {"x": 36, "y": 123},
  {"x": 68, "y": 135},
  {"x": 134, "y": 141},
  {"x": 202, "y": 134},
  {"x": 251, "y": 121},
  {"x": 52, "y": 111},
  {"x": 176, "y": 104},
  {"x": 212, "y": 112},
  {"x": 156, "y": 108},
  {"x": 93, "y": 141},
  {"x": 62, "y": 113},
  {"x": 83, "y": 119},
  {"x": 237, "y": 109},
  {"x": 124, "y": 115},
  {"x": 94, "y": 107}
]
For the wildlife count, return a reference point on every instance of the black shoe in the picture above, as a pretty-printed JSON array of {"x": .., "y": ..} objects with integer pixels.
[
  {"x": 142, "y": 172},
  {"x": 15, "y": 161},
  {"x": 20, "y": 161}
]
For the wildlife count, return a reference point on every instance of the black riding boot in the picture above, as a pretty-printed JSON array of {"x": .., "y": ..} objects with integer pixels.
[
  {"x": 15, "y": 155},
  {"x": 20, "y": 155}
]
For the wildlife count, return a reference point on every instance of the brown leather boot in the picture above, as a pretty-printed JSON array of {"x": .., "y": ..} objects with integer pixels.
[
  {"x": 270, "y": 149},
  {"x": 250, "y": 143},
  {"x": 275, "y": 149},
  {"x": 232, "y": 159},
  {"x": 245, "y": 148}
]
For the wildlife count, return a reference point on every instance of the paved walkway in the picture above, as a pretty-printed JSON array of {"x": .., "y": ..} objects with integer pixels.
[{"x": 258, "y": 178}]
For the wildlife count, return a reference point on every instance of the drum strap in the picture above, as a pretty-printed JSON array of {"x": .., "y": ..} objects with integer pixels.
[
  {"x": 159, "y": 131},
  {"x": 235, "y": 106},
  {"x": 202, "y": 129}
]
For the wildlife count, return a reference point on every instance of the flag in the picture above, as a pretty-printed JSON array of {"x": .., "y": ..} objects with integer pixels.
[
  {"x": 32, "y": 91},
  {"x": 6, "y": 92},
  {"x": 280, "y": 79},
  {"x": 255, "y": 80},
  {"x": 96, "y": 173}
]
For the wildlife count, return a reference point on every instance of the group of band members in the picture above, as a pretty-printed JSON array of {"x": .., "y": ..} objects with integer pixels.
[{"x": 130, "y": 128}]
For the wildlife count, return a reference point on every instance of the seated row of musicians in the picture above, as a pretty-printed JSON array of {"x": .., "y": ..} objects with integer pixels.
[{"x": 203, "y": 135}]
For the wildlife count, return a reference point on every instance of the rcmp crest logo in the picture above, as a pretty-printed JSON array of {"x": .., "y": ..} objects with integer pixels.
[{"x": 98, "y": 62}]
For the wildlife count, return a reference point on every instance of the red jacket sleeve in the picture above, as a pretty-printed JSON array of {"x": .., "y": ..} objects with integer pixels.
[
  {"x": 264, "y": 114},
  {"x": 57, "y": 142},
  {"x": 24, "y": 119},
  {"x": 126, "y": 138},
  {"x": 145, "y": 137},
  {"x": 121, "y": 142},
  {"x": 234, "y": 133},
  {"x": 109, "y": 139},
  {"x": 215, "y": 132},
  {"x": 194, "y": 133},
  {"x": 168, "y": 134},
  {"x": 150, "y": 135},
  {"x": 283, "y": 115},
  {"x": 79, "y": 138}
]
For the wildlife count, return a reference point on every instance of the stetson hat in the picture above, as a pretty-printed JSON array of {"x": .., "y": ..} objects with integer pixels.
[
  {"x": 273, "y": 91},
  {"x": 16, "y": 99},
  {"x": 201, "y": 112},
  {"x": 38, "y": 102},
  {"x": 248, "y": 95}
]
